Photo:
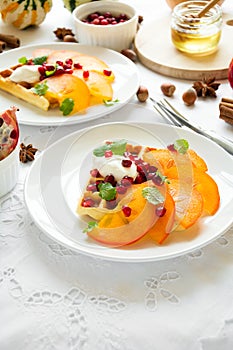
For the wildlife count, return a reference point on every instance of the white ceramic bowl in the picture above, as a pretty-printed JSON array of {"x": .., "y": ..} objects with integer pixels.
[
  {"x": 9, "y": 169},
  {"x": 116, "y": 37}
]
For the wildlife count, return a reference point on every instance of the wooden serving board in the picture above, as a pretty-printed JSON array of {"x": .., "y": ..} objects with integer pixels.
[{"x": 156, "y": 51}]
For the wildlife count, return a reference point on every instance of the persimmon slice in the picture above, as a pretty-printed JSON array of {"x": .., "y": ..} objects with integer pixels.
[
  {"x": 164, "y": 225},
  {"x": 97, "y": 84},
  {"x": 68, "y": 86},
  {"x": 208, "y": 188},
  {"x": 116, "y": 230},
  {"x": 188, "y": 201}
]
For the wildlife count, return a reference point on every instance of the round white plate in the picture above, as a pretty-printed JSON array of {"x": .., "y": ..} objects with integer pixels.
[
  {"x": 53, "y": 186},
  {"x": 125, "y": 85}
]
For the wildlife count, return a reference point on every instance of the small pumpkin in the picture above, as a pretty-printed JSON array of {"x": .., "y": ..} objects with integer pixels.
[{"x": 24, "y": 13}]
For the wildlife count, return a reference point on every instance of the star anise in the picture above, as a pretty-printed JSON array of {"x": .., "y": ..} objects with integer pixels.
[
  {"x": 207, "y": 87},
  {"x": 27, "y": 153},
  {"x": 62, "y": 32}
]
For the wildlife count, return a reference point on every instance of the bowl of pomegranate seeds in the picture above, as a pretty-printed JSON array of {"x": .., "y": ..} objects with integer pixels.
[{"x": 108, "y": 24}]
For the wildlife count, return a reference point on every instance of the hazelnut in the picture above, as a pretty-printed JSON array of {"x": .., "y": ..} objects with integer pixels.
[
  {"x": 189, "y": 96},
  {"x": 130, "y": 54},
  {"x": 168, "y": 89},
  {"x": 142, "y": 93},
  {"x": 69, "y": 39}
]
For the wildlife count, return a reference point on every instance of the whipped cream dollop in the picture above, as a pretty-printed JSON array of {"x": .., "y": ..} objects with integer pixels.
[
  {"x": 26, "y": 73},
  {"x": 113, "y": 165}
]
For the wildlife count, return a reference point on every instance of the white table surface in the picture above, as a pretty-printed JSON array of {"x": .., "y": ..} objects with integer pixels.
[{"x": 52, "y": 298}]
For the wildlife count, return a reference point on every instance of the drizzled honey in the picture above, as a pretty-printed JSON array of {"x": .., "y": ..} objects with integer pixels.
[{"x": 193, "y": 35}]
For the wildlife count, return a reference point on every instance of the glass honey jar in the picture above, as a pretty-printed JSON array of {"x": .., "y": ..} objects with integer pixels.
[{"x": 194, "y": 35}]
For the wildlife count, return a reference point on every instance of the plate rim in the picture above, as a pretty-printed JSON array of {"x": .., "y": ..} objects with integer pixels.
[
  {"x": 117, "y": 258},
  {"x": 75, "y": 119}
]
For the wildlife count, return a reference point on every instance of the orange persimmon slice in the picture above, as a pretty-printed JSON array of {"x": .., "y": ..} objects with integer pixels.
[
  {"x": 116, "y": 230},
  {"x": 164, "y": 225},
  {"x": 188, "y": 201},
  {"x": 97, "y": 84},
  {"x": 68, "y": 86},
  {"x": 208, "y": 188}
]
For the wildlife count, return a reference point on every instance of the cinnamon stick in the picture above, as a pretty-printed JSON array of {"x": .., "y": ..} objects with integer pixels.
[
  {"x": 10, "y": 40},
  {"x": 226, "y": 111}
]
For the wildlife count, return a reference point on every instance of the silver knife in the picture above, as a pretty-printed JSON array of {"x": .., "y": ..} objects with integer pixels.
[{"x": 220, "y": 140}]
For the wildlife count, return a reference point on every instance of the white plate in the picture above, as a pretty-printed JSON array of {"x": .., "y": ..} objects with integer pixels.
[
  {"x": 55, "y": 179},
  {"x": 125, "y": 85}
]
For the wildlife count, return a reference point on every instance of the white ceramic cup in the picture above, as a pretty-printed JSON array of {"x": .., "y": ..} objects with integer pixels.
[{"x": 116, "y": 37}]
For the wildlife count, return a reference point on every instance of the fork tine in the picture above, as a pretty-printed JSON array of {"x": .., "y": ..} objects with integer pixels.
[
  {"x": 170, "y": 114},
  {"x": 173, "y": 108},
  {"x": 164, "y": 114}
]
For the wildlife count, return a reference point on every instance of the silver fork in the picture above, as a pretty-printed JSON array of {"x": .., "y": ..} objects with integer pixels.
[{"x": 170, "y": 114}]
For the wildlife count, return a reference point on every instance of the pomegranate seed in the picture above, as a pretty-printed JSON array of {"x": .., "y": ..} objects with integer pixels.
[
  {"x": 78, "y": 66},
  {"x": 95, "y": 173},
  {"x": 114, "y": 22},
  {"x": 68, "y": 71},
  {"x": 108, "y": 154},
  {"x": 111, "y": 179},
  {"x": 171, "y": 148},
  {"x": 126, "y": 163},
  {"x": 107, "y": 14},
  {"x": 96, "y": 21},
  {"x": 60, "y": 63},
  {"x": 41, "y": 70},
  {"x": 49, "y": 67},
  {"x": 104, "y": 22},
  {"x": 67, "y": 66},
  {"x": 13, "y": 134},
  {"x": 69, "y": 61},
  {"x": 88, "y": 202},
  {"x": 121, "y": 189},
  {"x": 127, "y": 181},
  {"x": 157, "y": 180},
  {"x": 127, "y": 211},
  {"x": 91, "y": 187},
  {"x": 140, "y": 178},
  {"x": 139, "y": 161},
  {"x": 107, "y": 72},
  {"x": 59, "y": 71},
  {"x": 86, "y": 74},
  {"x": 160, "y": 211},
  {"x": 111, "y": 204},
  {"x": 152, "y": 169},
  {"x": 93, "y": 16}
]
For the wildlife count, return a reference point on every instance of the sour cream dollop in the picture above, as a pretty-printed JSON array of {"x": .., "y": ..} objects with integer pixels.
[
  {"x": 113, "y": 165},
  {"x": 26, "y": 73}
]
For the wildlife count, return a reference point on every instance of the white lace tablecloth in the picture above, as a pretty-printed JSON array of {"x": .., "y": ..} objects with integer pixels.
[{"x": 52, "y": 298}]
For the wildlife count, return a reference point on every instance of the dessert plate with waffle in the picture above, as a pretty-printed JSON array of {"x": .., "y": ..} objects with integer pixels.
[{"x": 65, "y": 83}]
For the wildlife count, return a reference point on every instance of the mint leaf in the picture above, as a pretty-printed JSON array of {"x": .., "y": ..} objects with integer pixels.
[
  {"x": 109, "y": 103},
  {"x": 40, "y": 60},
  {"x": 99, "y": 152},
  {"x": 40, "y": 89},
  {"x": 107, "y": 191},
  {"x": 90, "y": 226},
  {"x": 117, "y": 147},
  {"x": 181, "y": 146},
  {"x": 67, "y": 106},
  {"x": 152, "y": 195},
  {"x": 23, "y": 60}
]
